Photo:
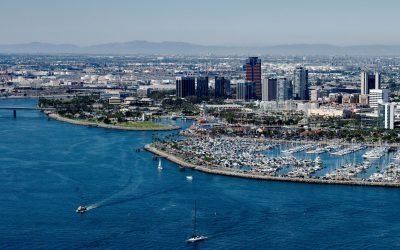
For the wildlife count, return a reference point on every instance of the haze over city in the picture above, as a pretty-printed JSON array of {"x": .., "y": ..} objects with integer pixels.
[
  {"x": 207, "y": 22},
  {"x": 208, "y": 124}
]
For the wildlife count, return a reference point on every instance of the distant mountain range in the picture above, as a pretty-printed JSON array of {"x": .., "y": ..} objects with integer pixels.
[{"x": 169, "y": 48}]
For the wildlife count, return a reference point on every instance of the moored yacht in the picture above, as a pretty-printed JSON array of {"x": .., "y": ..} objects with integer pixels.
[{"x": 318, "y": 161}]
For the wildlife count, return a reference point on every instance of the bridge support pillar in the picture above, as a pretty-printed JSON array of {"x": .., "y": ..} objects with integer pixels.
[{"x": 15, "y": 113}]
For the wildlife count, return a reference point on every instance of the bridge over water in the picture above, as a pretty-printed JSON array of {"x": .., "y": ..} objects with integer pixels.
[{"x": 15, "y": 108}]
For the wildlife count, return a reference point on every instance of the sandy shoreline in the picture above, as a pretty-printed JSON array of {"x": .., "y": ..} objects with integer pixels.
[
  {"x": 100, "y": 125},
  {"x": 354, "y": 182}
]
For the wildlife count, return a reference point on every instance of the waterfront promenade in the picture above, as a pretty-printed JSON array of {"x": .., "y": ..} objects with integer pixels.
[{"x": 179, "y": 161}]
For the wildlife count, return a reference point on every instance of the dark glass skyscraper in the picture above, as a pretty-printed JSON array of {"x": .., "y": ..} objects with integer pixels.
[
  {"x": 222, "y": 87},
  {"x": 269, "y": 89},
  {"x": 300, "y": 84},
  {"x": 369, "y": 81},
  {"x": 202, "y": 86},
  {"x": 253, "y": 73},
  {"x": 246, "y": 91},
  {"x": 283, "y": 89},
  {"x": 185, "y": 86}
]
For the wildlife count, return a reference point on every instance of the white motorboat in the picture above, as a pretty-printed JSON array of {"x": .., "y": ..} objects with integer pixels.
[
  {"x": 81, "y": 209},
  {"x": 196, "y": 238}
]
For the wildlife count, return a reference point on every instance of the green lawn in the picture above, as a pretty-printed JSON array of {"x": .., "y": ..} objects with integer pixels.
[
  {"x": 138, "y": 125},
  {"x": 145, "y": 124}
]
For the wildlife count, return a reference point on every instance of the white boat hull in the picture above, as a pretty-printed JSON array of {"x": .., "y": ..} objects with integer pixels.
[{"x": 196, "y": 239}]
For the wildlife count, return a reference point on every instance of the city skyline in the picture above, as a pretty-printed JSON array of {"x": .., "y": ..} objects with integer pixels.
[
  {"x": 227, "y": 23},
  {"x": 206, "y": 124}
]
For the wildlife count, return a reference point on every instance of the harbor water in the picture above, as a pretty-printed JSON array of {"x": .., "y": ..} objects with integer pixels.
[{"x": 49, "y": 168}]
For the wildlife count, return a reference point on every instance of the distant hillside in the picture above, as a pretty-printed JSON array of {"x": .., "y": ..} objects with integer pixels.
[{"x": 145, "y": 47}]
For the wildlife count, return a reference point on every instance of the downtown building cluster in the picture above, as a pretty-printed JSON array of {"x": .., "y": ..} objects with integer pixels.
[
  {"x": 253, "y": 88},
  {"x": 291, "y": 92},
  {"x": 199, "y": 86}
]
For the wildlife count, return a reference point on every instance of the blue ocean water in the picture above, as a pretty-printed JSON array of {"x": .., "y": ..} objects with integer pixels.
[{"x": 48, "y": 168}]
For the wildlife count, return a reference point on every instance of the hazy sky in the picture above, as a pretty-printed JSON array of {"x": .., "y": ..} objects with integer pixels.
[{"x": 212, "y": 22}]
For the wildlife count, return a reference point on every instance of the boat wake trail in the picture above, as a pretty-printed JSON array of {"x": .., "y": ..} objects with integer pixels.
[
  {"x": 126, "y": 190},
  {"x": 114, "y": 200}
]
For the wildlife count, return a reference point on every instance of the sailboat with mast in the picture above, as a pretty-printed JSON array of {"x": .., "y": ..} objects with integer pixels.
[
  {"x": 195, "y": 237},
  {"x": 159, "y": 165}
]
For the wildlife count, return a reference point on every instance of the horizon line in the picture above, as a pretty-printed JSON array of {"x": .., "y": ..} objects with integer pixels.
[{"x": 203, "y": 45}]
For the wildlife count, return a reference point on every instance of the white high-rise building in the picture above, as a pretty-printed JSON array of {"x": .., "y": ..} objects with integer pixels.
[
  {"x": 386, "y": 115},
  {"x": 377, "y": 96}
]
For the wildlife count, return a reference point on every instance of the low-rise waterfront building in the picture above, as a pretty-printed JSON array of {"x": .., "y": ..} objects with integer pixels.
[
  {"x": 363, "y": 99},
  {"x": 315, "y": 94},
  {"x": 114, "y": 100},
  {"x": 106, "y": 95},
  {"x": 269, "y": 106},
  {"x": 144, "y": 91},
  {"x": 329, "y": 112}
]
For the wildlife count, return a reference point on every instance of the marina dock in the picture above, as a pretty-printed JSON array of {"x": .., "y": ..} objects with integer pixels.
[{"x": 344, "y": 175}]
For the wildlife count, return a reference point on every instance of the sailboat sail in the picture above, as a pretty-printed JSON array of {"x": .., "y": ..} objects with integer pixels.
[{"x": 159, "y": 164}]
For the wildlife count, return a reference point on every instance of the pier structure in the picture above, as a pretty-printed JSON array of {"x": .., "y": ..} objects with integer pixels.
[{"x": 14, "y": 109}]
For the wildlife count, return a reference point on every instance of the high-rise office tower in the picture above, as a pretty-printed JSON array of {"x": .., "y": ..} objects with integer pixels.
[
  {"x": 202, "y": 86},
  {"x": 185, "y": 86},
  {"x": 367, "y": 82},
  {"x": 300, "y": 84},
  {"x": 386, "y": 115},
  {"x": 227, "y": 85},
  {"x": 246, "y": 91},
  {"x": 283, "y": 89},
  {"x": 253, "y": 73},
  {"x": 222, "y": 87},
  {"x": 377, "y": 80},
  {"x": 269, "y": 89}
]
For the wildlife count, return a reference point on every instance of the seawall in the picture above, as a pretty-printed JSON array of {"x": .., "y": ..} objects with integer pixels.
[{"x": 353, "y": 182}]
